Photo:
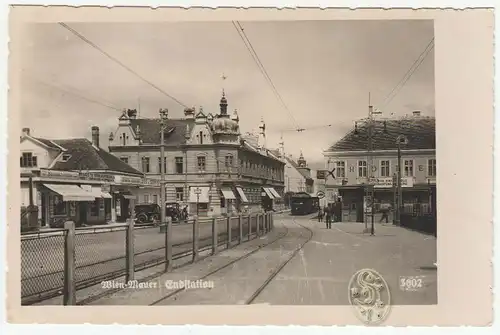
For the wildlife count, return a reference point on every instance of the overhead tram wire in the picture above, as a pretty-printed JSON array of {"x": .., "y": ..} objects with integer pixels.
[
  {"x": 80, "y": 96},
  {"x": 414, "y": 67},
  {"x": 86, "y": 40},
  {"x": 262, "y": 69},
  {"x": 416, "y": 64}
]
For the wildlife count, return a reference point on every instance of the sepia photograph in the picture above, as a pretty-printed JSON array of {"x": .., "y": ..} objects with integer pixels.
[{"x": 234, "y": 162}]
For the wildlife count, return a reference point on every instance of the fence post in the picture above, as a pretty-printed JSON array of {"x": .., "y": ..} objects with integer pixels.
[
  {"x": 69, "y": 293},
  {"x": 168, "y": 245},
  {"x": 196, "y": 225},
  {"x": 228, "y": 229},
  {"x": 129, "y": 251},
  {"x": 264, "y": 225},
  {"x": 215, "y": 236},
  {"x": 249, "y": 226},
  {"x": 240, "y": 229}
]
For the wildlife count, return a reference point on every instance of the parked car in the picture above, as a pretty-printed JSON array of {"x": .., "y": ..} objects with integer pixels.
[{"x": 147, "y": 213}]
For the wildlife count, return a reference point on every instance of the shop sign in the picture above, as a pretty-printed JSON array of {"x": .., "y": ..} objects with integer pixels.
[
  {"x": 97, "y": 176},
  {"x": 128, "y": 180},
  {"x": 388, "y": 182},
  {"x": 106, "y": 188},
  {"x": 59, "y": 174},
  {"x": 150, "y": 182}
]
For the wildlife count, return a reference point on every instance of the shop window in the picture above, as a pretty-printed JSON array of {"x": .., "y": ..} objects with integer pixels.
[
  {"x": 59, "y": 205},
  {"x": 94, "y": 208},
  {"x": 179, "y": 194}
]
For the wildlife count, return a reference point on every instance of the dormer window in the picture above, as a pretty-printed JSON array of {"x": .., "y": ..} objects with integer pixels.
[
  {"x": 201, "y": 137},
  {"x": 66, "y": 157},
  {"x": 124, "y": 138}
]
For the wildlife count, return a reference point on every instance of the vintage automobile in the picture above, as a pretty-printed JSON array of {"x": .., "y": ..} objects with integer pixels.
[
  {"x": 147, "y": 213},
  {"x": 150, "y": 213}
]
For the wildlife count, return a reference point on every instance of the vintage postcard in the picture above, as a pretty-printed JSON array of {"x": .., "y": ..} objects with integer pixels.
[{"x": 250, "y": 167}]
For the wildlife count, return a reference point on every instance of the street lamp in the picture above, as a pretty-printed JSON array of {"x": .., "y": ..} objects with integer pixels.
[
  {"x": 163, "y": 117},
  {"x": 400, "y": 140},
  {"x": 197, "y": 191}
]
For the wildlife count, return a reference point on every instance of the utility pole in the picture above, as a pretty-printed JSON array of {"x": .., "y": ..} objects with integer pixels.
[
  {"x": 163, "y": 117},
  {"x": 369, "y": 193},
  {"x": 401, "y": 139}
]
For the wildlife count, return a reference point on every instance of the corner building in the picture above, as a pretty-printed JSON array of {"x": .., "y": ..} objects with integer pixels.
[
  {"x": 349, "y": 159},
  {"x": 209, "y": 166}
]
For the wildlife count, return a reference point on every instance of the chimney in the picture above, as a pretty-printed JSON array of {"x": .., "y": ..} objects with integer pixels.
[
  {"x": 189, "y": 112},
  {"x": 26, "y": 132},
  {"x": 95, "y": 136},
  {"x": 416, "y": 113},
  {"x": 132, "y": 113}
]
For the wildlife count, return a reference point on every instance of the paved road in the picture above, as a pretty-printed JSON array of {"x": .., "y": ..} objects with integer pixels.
[
  {"x": 318, "y": 275},
  {"x": 99, "y": 254}
]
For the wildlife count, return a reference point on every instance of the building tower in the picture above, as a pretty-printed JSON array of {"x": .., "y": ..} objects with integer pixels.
[
  {"x": 262, "y": 135},
  {"x": 301, "y": 161}
]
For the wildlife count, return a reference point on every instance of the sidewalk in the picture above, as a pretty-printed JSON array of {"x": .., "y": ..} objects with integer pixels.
[{"x": 322, "y": 272}]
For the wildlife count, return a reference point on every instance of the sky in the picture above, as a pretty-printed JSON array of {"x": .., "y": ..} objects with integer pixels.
[{"x": 324, "y": 71}]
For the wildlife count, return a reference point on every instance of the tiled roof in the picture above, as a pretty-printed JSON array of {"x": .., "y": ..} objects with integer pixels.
[
  {"x": 296, "y": 167},
  {"x": 175, "y": 133},
  {"x": 47, "y": 142},
  {"x": 84, "y": 156},
  {"x": 420, "y": 132}
]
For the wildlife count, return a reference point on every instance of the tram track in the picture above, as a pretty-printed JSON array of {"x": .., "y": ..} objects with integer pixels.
[{"x": 268, "y": 280}]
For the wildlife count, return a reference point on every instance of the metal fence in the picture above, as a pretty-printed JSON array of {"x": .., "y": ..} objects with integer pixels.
[{"x": 62, "y": 261}]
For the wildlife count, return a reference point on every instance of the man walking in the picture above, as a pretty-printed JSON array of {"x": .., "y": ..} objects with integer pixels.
[
  {"x": 330, "y": 214},
  {"x": 327, "y": 216},
  {"x": 320, "y": 215},
  {"x": 384, "y": 209}
]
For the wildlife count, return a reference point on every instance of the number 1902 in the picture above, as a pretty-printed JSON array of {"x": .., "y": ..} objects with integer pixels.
[{"x": 411, "y": 283}]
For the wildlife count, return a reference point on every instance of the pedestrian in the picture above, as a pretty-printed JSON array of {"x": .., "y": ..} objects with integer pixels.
[
  {"x": 320, "y": 215},
  {"x": 329, "y": 217},
  {"x": 384, "y": 209}
]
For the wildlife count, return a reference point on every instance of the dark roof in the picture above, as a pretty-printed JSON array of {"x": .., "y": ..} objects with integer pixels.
[
  {"x": 298, "y": 168},
  {"x": 47, "y": 142},
  {"x": 175, "y": 133},
  {"x": 420, "y": 131},
  {"x": 84, "y": 156}
]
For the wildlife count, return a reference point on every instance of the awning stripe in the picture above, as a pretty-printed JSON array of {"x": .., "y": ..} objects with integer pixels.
[
  {"x": 242, "y": 194},
  {"x": 274, "y": 193},
  {"x": 228, "y": 194},
  {"x": 269, "y": 194},
  {"x": 71, "y": 192}
]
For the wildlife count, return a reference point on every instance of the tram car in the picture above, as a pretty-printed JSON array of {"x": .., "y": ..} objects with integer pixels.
[{"x": 303, "y": 203}]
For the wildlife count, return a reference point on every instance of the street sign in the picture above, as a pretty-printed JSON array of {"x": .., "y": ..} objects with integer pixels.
[
  {"x": 321, "y": 174},
  {"x": 320, "y": 194}
]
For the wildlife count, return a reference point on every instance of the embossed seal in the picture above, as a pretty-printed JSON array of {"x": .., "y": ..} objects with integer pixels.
[{"x": 370, "y": 296}]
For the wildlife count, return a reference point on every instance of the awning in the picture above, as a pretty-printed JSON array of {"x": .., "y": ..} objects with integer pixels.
[
  {"x": 97, "y": 192},
  {"x": 106, "y": 195},
  {"x": 242, "y": 194},
  {"x": 268, "y": 193},
  {"x": 203, "y": 194},
  {"x": 129, "y": 196},
  {"x": 228, "y": 194},
  {"x": 71, "y": 192},
  {"x": 274, "y": 193}
]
